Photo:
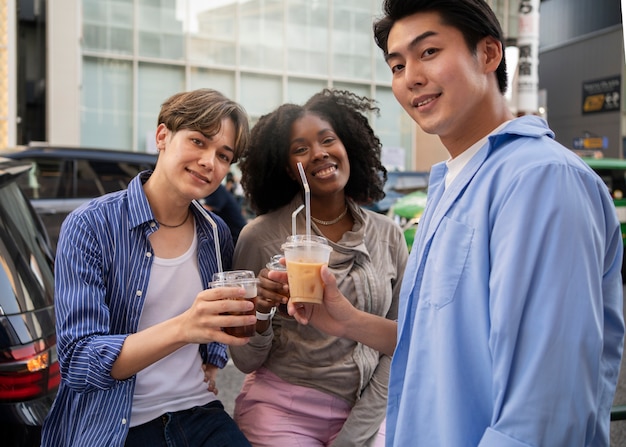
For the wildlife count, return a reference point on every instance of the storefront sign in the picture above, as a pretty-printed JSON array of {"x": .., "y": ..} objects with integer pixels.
[{"x": 602, "y": 95}]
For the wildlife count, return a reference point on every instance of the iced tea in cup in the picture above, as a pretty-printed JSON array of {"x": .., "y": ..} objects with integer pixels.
[
  {"x": 246, "y": 280},
  {"x": 305, "y": 256},
  {"x": 275, "y": 265}
]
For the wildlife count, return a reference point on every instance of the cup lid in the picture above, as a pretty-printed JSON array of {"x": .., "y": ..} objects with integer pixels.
[
  {"x": 241, "y": 282},
  {"x": 302, "y": 240},
  {"x": 275, "y": 264},
  {"x": 233, "y": 274}
]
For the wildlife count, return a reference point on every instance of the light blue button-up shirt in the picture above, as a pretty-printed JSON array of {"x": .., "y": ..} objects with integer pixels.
[
  {"x": 102, "y": 271},
  {"x": 510, "y": 327}
]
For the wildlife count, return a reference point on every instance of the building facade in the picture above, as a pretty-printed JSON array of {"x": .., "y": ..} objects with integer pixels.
[
  {"x": 93, "y": 73},
  {"x": 581, "y": 72},
  {"x": 111, "y": 63}
]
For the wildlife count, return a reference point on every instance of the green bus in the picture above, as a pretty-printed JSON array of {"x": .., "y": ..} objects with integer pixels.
[{"x": 613, "y": 172}]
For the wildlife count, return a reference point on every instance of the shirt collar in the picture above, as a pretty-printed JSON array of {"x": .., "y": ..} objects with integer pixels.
[{"x": 139, "y": 210}]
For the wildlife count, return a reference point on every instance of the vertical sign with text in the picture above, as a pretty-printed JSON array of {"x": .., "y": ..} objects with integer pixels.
[{"x": 528, "y": 43}]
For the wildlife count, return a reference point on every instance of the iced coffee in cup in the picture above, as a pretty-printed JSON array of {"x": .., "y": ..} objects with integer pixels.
[
  {"x": 305, "y": 256},
  {"x": 246, "y": 280}
]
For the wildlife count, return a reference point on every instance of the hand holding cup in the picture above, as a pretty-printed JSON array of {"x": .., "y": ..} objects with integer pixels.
[
  {"x": 305, "y": 255},
  {"x": 242, "y": 279},
  {"x": 213, "y": 309}
]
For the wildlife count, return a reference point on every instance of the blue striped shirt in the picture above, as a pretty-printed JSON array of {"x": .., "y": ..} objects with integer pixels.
[{"x": 102, "y": 268}]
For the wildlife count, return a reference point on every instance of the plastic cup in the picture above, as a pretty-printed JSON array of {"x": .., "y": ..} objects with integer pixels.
[
  {"x": 275, "y": 264},
  {"x": 238, "y": 279},
  {"x": 305, "y": 256}
]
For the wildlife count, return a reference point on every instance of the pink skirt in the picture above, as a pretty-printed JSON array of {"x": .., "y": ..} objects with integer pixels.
[{"x": 271, "y": 412}]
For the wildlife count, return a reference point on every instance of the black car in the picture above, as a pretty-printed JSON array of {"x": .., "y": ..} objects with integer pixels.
[
  {"x": 399, "y": 184},
  {"x": 29, "y": 370},
  {"x": 63, "y": 178}
]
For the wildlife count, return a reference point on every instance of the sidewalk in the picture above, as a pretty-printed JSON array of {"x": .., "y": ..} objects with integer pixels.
[{"x": 229, "y": 382}]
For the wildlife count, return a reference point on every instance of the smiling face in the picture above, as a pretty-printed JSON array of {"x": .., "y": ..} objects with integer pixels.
[
  {"x": 314, "y": 143},
  {"x": 443, "y": 86},
  {"x": 191, "y": 164}
]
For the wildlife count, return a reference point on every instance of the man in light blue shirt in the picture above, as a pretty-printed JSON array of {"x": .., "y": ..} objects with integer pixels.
[{"x": 510, "y": 329}]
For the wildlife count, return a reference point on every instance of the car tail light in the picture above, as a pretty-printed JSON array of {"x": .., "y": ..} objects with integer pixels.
[{"x": 28, "y": 372}]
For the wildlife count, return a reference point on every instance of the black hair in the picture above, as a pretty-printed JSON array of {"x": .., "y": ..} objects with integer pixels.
[
  {"x": 264, "y": 163},
  {"x": 473, "y": 18}
]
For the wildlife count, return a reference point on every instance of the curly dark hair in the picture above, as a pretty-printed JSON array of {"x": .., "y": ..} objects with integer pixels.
[{"x": 264, "y": 162}]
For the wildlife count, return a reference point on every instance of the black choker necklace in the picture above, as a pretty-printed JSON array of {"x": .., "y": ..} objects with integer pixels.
[
  {"x": 176, "y": 226},
  {"x": 330, "y": 222}
]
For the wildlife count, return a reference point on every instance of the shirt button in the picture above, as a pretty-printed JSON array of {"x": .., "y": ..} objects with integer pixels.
[
  {"x": 138, "y": 293},
  {"x": 123, "y": 421},
  {"x": 148, "y": 254},
  {"x": 152, "y": 224}
]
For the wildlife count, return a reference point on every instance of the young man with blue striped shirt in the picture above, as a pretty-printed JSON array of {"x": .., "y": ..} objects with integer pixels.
[{"x": 135, "y": 320}]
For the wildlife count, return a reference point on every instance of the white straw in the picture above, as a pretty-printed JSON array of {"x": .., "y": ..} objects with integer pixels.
[
  {"x": 293, "y": 220},
  {"x": 216, "y": 239},
  {"x": 307, "y": 200}
]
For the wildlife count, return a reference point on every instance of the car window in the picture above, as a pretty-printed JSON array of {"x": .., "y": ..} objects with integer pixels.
[
  {"x": 88, "y": 183},
  {"x": 28, "y": 264},
  {"x": 46, "y": 179},
  {"x": 407, "y": 182},
  {"x": 64, "y": 178},
  {"x": 97, "y": 177}
]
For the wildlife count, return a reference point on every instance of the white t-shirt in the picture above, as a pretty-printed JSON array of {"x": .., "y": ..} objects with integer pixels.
[
  {"x": 175, "y": 382},
  {"x": 456, "y": 165}
]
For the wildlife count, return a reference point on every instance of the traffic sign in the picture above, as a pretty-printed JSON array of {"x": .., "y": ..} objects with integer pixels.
[{"x": 591, "y": 143}]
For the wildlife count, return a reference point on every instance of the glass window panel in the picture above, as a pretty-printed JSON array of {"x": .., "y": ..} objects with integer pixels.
[
  {"x": 260, "y": 94},
  {"x": 261, "y": 34},
  {"x": 359, "y": 89},
  {"x": 106, "y": 104},
  {"x": 362, "y": 5},
  {"x": 383, "y": 72},
  {"x": 222, "y": 81},
  {"x": 394, "y": 128},
  {"x": 209, "y": 51},
  {"x": 300, "y": 90},
  {"x": 212, "y": 32},
  {"x": 108, "y": 25},
  {"x": 156, "y": 83},
  {"x": 352, "y": 40},
  {"x": 307, "y": 37},
  {"x": 160, "y": 30}
]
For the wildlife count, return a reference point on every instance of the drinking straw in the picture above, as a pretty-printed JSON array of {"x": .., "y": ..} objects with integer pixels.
[
  {"x": 216, "y": 239},
  {"x": 307, "y": 200},
  {"x": 293, "y": 219}
]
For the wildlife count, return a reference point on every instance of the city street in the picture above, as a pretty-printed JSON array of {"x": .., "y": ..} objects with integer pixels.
[{"x": 229, "y": 382}]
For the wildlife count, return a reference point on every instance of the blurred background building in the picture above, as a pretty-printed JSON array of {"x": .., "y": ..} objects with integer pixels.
[{"x": 93, "y": 73}]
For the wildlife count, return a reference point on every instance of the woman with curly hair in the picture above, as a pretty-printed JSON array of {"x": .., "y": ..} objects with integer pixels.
[{"x": 303, "y": 387}]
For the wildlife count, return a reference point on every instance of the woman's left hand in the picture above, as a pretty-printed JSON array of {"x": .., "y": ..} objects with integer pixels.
[{"x": 210, "y": 374}]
